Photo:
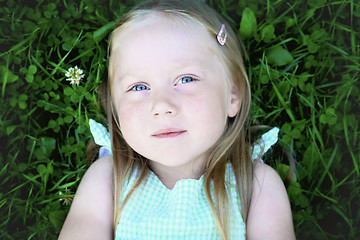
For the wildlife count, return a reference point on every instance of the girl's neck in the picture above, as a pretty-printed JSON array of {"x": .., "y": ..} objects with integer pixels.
[{"x": 169, "y": 176}]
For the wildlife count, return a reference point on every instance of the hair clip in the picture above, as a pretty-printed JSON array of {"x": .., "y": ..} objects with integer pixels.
[{"x": 222, "y": 39}]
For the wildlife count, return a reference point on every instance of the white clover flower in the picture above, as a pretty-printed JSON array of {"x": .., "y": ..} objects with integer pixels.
[
  {"x": 74, "y": 75},
  {"x": 66, "y": 200}
]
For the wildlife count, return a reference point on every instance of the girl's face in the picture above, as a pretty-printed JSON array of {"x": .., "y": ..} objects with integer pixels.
[{"x": 170, "y": 91}]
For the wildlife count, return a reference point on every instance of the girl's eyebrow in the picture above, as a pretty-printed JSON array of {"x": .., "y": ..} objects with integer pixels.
[
  {"x": 127, "y": 80},
  {"x": 122, "y": 79},
  {"x": 183, "y": 66},
  {"x": 126, "y": 76}
]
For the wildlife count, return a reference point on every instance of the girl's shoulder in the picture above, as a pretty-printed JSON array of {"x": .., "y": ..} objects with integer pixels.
[
  {"x": 100, "y": 172},
  {"x": 103, "y": 164},
  {"x": 270, "y": 207},
  {"x": 91, "y": 212}
]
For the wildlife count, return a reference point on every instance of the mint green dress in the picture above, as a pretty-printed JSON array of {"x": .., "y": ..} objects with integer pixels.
[{"x": 155, "y": 212}]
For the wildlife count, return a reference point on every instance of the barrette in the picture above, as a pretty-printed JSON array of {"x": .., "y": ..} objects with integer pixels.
[{"x": 222, "y": 35}]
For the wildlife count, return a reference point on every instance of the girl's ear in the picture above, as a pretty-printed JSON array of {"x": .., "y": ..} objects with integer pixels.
[{"x": 234, "y": 101}]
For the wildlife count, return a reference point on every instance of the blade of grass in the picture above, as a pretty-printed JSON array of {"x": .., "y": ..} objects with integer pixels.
[
  {"x": 342, "y": 182},
  {"x": 67, "y": 54},
  {"x": 282, "y": 101},
  {"x": 346, "y": 133},
  {"x": 6, "y": 74},
  {"x": 42, "y": 68},
  {"x": 315, "y": 130},
  {"x": 327, "y": 168},
  {"x": 326, "y": 197}
]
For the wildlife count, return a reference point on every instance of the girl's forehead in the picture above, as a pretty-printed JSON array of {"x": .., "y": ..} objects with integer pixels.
[
  {"x": 149, "y": 23},
  {"x": 165, "y": 40}
]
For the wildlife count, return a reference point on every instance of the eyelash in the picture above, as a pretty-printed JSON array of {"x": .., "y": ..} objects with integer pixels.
[
  {"x": 134, "y": 88},
  {"x": 144, "y": 87},
  {"x": 186, "y": 77}
]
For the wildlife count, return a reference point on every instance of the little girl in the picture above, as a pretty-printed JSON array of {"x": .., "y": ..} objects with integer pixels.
[{"x": 180, "y": 168}]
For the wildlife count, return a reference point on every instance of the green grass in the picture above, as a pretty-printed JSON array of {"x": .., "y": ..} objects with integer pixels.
[{"x": 303, "y": 64}]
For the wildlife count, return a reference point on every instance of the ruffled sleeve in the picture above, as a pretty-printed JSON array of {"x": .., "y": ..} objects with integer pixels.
[
  {"x": 101, "y": 137},
  {"x": 262, "y": 145}
]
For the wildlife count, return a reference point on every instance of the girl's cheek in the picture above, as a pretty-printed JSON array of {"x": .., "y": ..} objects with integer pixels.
[
  {"x": 128, "y": 109},
  {"x": 136, "y": 97}
]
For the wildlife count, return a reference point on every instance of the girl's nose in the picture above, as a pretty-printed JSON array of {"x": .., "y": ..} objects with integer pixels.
[{"x": 164, "y": 104}]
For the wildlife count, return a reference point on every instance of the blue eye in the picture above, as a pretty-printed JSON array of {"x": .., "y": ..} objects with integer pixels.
[
  {"x": 186, "y": 79},
  {"x": 139, "y": 87}
]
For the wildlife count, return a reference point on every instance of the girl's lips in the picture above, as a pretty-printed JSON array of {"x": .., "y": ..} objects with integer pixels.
[{"x": 168, "y": 133}]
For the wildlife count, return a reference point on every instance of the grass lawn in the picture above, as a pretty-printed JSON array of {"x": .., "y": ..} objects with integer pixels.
[{"x": 303, "y": 63}]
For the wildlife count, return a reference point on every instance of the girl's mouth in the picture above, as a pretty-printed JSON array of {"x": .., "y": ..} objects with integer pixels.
[{"x": 168, "y": 133}]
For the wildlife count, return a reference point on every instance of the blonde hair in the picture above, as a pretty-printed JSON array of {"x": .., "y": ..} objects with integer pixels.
[{"x": 232, "y": 145}]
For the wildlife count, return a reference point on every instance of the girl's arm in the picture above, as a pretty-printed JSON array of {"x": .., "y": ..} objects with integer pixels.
[
  {"x": 91, "y": 213},
  {"x": 270, "y": 212}
]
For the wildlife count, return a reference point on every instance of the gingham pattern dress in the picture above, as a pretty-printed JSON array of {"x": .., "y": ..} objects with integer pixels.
[{"x": 155, "y": 212}]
